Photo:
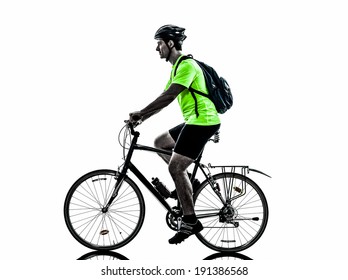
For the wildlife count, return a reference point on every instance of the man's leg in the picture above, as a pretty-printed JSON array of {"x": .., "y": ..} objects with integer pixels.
[
  {"x": 190, "y": 225},
  {"x": 177, "y": 168},
  {"x": 165, "y": 142}
]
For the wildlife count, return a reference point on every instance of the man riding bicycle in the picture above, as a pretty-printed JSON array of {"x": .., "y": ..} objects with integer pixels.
[{"x": 189, "y": 138}]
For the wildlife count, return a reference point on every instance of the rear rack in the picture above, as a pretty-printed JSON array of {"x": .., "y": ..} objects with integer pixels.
[{"x": 243, "y": 169}]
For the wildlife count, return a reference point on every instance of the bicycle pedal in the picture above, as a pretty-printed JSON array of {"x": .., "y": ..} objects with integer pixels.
[
  {"x": 173, "y": 195},
  {"x": 104, "y": 232},
  {"x": 179, "y": 223}
]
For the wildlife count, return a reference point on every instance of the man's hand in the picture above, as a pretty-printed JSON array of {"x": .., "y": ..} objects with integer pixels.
[{"x": 135, "y": 117}]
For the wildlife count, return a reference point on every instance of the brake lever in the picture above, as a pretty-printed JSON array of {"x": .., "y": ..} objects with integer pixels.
[{"x": 132, "y": 125}]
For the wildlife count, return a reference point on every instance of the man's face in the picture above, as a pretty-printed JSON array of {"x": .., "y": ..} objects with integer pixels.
[{"x": 162, "y": 49}]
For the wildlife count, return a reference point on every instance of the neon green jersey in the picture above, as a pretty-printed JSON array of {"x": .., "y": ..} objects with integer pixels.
[{"x": 190, "y": 74}]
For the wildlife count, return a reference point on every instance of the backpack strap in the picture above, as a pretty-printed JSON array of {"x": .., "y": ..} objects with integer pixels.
[
  {"x": 196, "y": 103},
  {"x": 193, "y": 91},
  {"x": 184, "y": 57},
  {"x": 198, "y": 92}
]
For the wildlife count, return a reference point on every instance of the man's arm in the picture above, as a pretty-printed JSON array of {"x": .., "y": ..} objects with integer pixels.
[{"x": 158, "y": 104}]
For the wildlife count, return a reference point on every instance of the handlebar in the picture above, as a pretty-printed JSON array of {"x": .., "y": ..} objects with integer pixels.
[{"x": 132, "y": 125}]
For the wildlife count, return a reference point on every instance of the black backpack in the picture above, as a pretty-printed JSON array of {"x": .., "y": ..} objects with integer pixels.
[{"x": 219, "y": 90}]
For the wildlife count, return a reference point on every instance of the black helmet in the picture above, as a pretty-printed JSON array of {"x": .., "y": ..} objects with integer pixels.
[{"x": 170, "y": 32}]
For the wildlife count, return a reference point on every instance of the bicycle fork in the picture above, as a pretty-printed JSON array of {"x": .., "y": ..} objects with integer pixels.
[
  {"x": 119, "y": 180},
  {"x": 120, "y": 176}
]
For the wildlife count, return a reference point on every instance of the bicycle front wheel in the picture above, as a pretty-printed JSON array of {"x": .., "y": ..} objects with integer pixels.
[
  {"x": 85, "y": 219},
  {"x": 234, "y": 221}
]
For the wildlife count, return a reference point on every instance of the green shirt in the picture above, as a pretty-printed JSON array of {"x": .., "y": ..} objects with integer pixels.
[{"x": 190, "y": 74}]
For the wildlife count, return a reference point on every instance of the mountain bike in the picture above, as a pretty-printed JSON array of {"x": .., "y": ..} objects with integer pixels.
[{"x": 105, "y": 209}]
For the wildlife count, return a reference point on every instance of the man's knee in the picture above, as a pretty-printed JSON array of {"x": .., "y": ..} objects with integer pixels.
[
  {"x": 178, "y": 165},
  {"x": 164, "y": 141},
  {"x": 158, "y": 142}
]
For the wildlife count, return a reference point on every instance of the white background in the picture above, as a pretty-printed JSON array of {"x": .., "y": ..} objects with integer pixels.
[{"x": 71, "y": 71}]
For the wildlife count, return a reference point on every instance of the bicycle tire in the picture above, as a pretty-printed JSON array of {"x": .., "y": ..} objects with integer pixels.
[
  {"x": 235, "y": 226},
  {"x": 89, "y": 225},
  {"x": 104, "y": 255},
  {"x": 229, "y": 256}
]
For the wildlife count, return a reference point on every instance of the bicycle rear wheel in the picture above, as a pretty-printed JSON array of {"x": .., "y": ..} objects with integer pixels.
[
  {"x": 95, "y": 229},
  {"x": 237, "y": 224}
]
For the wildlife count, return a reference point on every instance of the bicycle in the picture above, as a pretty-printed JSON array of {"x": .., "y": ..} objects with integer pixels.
[{"x": 105, "y": 209}]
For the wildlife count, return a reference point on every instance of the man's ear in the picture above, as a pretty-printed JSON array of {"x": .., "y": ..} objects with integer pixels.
[{"x": 170, "y": 44}]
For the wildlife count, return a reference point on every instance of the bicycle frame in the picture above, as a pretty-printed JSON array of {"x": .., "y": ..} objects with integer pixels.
[{"x": 128, "y": 165}]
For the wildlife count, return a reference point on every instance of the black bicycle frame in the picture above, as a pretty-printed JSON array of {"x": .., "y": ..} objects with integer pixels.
[{"x": 128, "y": 165}]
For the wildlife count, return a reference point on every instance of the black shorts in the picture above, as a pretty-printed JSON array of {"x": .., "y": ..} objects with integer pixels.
[{"x": 191, "y": 139}]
